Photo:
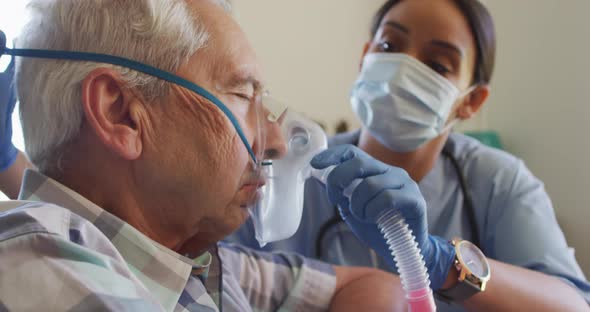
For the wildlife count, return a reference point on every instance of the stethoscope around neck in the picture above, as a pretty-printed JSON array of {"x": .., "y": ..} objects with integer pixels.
[{"x": 467, "y": 204}]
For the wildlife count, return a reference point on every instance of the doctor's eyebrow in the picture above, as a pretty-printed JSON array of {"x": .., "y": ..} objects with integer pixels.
[{"x": 397, "y": 26}]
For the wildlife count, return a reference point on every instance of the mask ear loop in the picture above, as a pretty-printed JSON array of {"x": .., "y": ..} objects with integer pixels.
[
  {"x": 455, "y": 120},
  {"x": 467, "y": 91}
]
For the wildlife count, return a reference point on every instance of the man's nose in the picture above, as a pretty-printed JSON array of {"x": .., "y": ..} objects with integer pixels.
[{"x": 276, "y": 144}]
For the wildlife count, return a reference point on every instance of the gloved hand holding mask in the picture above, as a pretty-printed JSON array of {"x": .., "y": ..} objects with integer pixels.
[{"x": 382, "y": 188}]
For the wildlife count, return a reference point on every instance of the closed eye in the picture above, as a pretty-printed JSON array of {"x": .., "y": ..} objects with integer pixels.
[{"x": 242, "y": 96}]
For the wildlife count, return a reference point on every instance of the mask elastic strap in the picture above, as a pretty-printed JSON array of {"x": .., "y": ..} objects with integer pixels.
[
  {"x": 450, "y": 125},
  {"x": 134, "y": 65},
  {"x": 467, "y": 91},
  {"x": 456, "y": 120}
]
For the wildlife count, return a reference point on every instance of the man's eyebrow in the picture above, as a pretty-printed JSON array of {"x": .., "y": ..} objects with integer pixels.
[{"x": 241, "y": 80}]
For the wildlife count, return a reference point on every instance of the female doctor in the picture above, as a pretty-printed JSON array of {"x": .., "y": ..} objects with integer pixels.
[{"x": 428, "y": 65}]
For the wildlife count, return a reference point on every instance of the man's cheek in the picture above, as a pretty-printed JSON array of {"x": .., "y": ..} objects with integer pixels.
[{"x": 233, "y": 155}]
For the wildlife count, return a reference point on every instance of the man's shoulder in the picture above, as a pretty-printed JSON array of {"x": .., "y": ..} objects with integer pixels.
[
  {"x": 19, "y": 218},
  {"x": 25, "y": 219},
  {"x": 50, "y": 251}
]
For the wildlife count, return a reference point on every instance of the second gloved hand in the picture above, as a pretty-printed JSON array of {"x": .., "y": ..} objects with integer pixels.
[{"x": 382, "y": 188}]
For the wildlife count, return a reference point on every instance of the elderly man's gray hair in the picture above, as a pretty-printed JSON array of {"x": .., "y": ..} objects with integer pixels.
[{"x": 162, "y": 33}]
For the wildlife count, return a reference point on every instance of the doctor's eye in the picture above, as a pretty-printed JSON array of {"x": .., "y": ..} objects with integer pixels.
[
  {"x": 386, "y": 46},
  {"x": 439, "y": 68}
]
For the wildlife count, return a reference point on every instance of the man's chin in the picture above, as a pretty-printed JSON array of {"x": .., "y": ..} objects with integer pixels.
[
  {"x": 244, "y": 212},
  {"x": 208, "y": 237},
  {"x": 248, "y": 197},
  {"x": 240, "y": 217}
]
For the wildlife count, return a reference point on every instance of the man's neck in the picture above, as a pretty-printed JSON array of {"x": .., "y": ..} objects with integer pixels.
[{"x": 418, "y": 163}]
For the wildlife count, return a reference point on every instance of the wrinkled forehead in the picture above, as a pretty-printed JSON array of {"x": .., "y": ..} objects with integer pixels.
[{"x": 228, "y": 55}]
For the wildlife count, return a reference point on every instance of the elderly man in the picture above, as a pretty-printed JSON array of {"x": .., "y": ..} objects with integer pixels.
[{"x": 141, "y": 172}]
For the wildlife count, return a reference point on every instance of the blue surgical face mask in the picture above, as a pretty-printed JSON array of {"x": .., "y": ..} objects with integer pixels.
[
  {"x": 402, "y": 102},
  {"x": 134, "y": 65}
]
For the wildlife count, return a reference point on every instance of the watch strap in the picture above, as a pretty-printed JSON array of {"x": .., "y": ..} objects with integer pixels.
[{"x": 458, "y": 293}]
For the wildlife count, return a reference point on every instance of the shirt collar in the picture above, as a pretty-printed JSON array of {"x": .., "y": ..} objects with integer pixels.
[{"x": 163, "y": 271}]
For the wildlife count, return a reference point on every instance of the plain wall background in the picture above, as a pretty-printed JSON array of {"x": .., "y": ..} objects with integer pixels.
[
  {"x": 540, "y": 102},
  {"x": 310, "y": 51}
]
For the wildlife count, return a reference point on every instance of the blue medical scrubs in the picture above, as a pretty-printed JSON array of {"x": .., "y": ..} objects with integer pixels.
[{"x": 515, "y": 219}]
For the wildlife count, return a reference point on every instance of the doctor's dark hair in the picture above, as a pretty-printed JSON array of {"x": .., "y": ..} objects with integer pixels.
[{"x": 481, "y": 24}]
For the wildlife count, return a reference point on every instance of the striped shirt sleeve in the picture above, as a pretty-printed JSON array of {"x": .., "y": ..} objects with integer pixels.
[{"x": 275, "y": 281}]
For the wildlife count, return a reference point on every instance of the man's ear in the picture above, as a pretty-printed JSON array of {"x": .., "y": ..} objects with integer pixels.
[
  {"x": 473, "y": 102},
  {"x": 112, "y": 112}
]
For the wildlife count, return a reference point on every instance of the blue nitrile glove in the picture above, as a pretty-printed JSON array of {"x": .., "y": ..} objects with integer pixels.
[
  {"x": 383, "y": 187},
  {"x": 8, "y": 152}
]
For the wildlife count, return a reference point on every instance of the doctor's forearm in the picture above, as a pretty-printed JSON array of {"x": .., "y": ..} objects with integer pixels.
[{"x": 512, "y": 288}]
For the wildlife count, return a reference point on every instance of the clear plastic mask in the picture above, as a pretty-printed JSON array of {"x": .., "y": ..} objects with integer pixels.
[{"x": 277, "y": 214}]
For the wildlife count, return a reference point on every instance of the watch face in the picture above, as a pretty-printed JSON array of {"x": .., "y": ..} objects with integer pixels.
[{"x": 474, "y": 259}]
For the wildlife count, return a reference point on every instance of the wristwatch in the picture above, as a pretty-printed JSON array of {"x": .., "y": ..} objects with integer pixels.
[{"x": 474, "y": 272}]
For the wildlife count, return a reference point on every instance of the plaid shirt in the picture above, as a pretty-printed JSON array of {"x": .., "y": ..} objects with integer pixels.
[{"x": 59, "y": 251}]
